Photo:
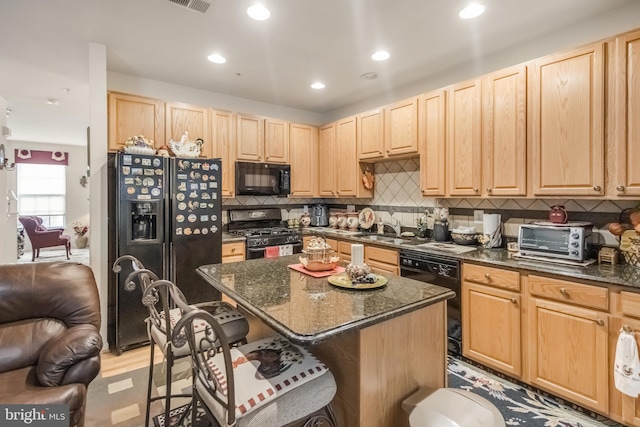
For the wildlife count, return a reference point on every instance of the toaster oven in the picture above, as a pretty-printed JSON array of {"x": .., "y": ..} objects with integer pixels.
[{"x": 568, "y": 241}]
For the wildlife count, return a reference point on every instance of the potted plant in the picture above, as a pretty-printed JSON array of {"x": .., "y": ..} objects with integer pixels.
[{"x": 80, "y": 230}]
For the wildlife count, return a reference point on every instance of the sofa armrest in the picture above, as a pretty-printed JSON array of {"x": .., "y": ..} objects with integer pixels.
[{"x": 64, "y": 351}]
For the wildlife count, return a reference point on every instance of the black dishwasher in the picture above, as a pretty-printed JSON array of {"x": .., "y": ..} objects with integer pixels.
[{"x": 442, "y": 271}]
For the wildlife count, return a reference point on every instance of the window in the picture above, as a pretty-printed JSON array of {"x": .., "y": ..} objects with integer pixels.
[{"x": 42, "y": 192}]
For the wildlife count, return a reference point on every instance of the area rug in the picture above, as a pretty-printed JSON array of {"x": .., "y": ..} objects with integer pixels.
[
  {"x": 518, "y": 405},
  {"x": 48, "y": 255},
  {"x": 120, "y": 400}
]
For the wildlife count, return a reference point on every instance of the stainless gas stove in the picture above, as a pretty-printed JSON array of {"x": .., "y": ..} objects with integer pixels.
[{"x": 266, "y": 236}]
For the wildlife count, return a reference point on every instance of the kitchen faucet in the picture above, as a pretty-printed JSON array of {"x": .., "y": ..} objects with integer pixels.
[{"x": 396, "y": 227}]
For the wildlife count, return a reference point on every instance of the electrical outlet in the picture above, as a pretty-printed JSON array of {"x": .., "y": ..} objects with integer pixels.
[
  {"x": 306, "y": 209},
  {"x": 477, "y": 216},
  {"x": 351, "y": 208}
]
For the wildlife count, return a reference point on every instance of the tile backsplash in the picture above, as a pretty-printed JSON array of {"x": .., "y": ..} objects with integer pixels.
[{"x": 397, "y": 195}]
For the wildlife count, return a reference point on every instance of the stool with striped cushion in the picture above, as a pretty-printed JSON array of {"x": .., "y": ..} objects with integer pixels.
[{"x": 270, "y": 382}]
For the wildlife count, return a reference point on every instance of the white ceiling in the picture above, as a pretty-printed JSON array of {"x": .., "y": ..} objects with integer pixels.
[{"x": 44, "y": 47}]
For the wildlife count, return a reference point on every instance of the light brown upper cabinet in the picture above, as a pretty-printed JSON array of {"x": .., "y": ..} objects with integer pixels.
[
  {"x": 464, "y": 138},
  {"x": 131, "y": 115},
  {"x": 624, "y": 117},
  {"x": 327, "y": 161},
  {"x": 504, "y": 114},
  {"x": 249, "y": 138},
  {"x": 371, "y": 135},
  {"x": 432, "y": 137},
  {"x": 276, "y": 141},
  {"x": 349, "y": 171},
  {"x": 181, "y": 118},
  {"x": 566, "y": 123},
  {"x": 224, "y": 147},
  {"x": 401, "y": 128},
  {"x": 303, "y": 148}
]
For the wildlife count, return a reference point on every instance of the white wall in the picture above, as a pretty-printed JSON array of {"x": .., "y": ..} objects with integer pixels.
[
  {"x": 77, "y": 197},
  {"x": 8, "y": 224}
]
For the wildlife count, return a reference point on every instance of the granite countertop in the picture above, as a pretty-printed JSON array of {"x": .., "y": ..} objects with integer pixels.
[
  {"x": 307, "y": 309},
  {"x": 605, "y": 274},
  {"x": 230, "y": 237}
]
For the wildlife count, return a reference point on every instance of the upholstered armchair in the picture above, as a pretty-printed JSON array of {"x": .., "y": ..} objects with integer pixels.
[
  {"x": 43, "y": 237},
  {"x": 49, "y": 335}
]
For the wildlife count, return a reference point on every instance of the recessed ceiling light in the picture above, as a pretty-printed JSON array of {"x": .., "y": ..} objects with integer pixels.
[
  {"x": 380, "y": 55},
  {"x": 258, "y": 12},
  {"x": 52, "y": 101},
  {"x": 318, "y": 85},
  {"x": 471, "y": 11},
  {"x": 217, "y": 58},
  {"x": 369, "y": 76}
]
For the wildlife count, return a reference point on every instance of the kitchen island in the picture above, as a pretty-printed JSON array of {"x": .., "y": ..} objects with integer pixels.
[{"x": 380, "y": 344}]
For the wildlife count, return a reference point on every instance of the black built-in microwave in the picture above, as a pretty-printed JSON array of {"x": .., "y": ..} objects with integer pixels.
[{"x": 262, "y": 179}]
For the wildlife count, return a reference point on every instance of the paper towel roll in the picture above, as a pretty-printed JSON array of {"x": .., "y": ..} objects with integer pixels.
[
  {"x": 490, "y": 222},
  {"x": 492, "y": 230}
]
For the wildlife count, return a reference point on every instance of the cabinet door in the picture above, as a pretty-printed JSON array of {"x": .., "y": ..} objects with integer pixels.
[
  {"x": 491, "y": 328},
  {"x": 276, "y": 141},
  {"x": 630, "y": 405},
  {"x": 432, "y": 138},
  {"x": 566, "y": 123},
  {"x": 344, "y": 250},
  {"x": 303, "y": 152},
  {"x": 131, "y": 115},
  {"x": 464, "y": 138},
  {"x": 327, "y": 161},
  {"x": 568, "y": 352},
  {"x": 381, "y": 260},
  {"x": 401, "y": 128},
  {"x": 625, "y": 138},
  {"x": 181, "y": 118},
  {"x": 232, "y": 252},
  {"x": 224, "y": 147},
  {"x": 347, "y": 161},
  {"x": 249, "y": 138},
  {"x": 505, "y": 132},
  {"x": 371, "y": 135}
]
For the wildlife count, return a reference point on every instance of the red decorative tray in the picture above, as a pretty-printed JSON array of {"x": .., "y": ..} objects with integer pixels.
[{"x": 301, "y": 269}]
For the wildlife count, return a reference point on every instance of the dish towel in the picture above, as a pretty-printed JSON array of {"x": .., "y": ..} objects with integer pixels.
[
  {"x": 271, "y": 252},
  {"x": 626, "y": 370},
  {"x": 285, "y": 250}
]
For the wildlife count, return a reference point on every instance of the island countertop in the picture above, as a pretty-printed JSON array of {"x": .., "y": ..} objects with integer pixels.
[{"x": 307, "y": 310}]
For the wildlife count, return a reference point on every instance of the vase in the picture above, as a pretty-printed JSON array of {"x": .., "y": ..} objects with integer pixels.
[{"x": 81, "y": 242}]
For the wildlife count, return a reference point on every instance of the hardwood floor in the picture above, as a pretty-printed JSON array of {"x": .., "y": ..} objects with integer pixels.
[{"x": 128, "y": 361}]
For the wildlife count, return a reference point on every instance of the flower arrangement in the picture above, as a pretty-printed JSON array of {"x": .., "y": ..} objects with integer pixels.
[{"x": 79, "y": 229}]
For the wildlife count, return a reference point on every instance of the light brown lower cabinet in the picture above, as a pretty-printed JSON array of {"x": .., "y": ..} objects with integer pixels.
[
  {"x": 491, "y": 326},
  {"x": 381, "y": 260},
  {"x": 232, "y": 252}
]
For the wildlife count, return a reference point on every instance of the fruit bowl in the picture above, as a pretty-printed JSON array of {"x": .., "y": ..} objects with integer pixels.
[{"x": 465, "y": 236}]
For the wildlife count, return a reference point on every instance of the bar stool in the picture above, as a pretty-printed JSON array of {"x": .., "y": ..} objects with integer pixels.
[
  {"x": 161, "y": 297},
  {"x": 270, "y": 382}
]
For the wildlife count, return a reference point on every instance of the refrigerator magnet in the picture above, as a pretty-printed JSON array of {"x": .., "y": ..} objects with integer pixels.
[
  {"x": 213, "y": 184},
  {"x": 211, "y": 206},
  {"x": 182, "y": 206},
  {"x": 144, "y": 191},
  {"x": 205, "y": 196},
  {"x": 148, "y": 172},
  {"x": 180, "y": 218},
  {"x": 187, "y": 231},
  {"x": 182, "y": 186},
  {"x": 155, "y": 192},
  {"x": 193, "y": 194},
  {"x": 126, "y": 170},
  {"x": 156, "y": 162},
  {"x": 193, "y": 186},
  {"x": 136, "y": 160},
  {"x": 131, "y": 190},
  {"x": 128, "y": 181},
  {"x": 196, "y": 204},
  {"x": 136, "y": 171},
  {"x": 213, "y": 228},
  {"x": 205, "y": 178},
  {"x": 205, "y": 166},
  {"x": 159, "y": 172},
  {"x": 126, "y": 159},
  {"x": 214, "y": 167},
  {"x": 137, "y": 181},
  {"x": 203, "y": 186},
  {"x": 148, "y": 182},
  {"x": 214, "y": 217},
  {"x": 179, "y": 231},
  {"x": 196, "y": 231},
  {"x": 205, "y": 230},
  {"x": 192, "y": 218},
  {"x": 146, "y": 162},
  {"x": 180, "y": 197},
  {"x": 204, "y": 218},
  {"x": 214, "y": 195},
  {"x": 196, "y": 165},
  {"x": 182, "y": 176}
]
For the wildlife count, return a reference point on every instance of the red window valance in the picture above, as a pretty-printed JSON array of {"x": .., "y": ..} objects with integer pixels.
[{"x": 41, "y": 157}]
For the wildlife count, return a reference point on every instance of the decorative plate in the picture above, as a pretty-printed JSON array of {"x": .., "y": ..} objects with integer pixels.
[
  {"x": 366, "y": 218},
  {"x": 343, "y": 281}
]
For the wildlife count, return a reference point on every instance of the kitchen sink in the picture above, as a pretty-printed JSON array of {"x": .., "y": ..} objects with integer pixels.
[{"x": 383, "y": 238}]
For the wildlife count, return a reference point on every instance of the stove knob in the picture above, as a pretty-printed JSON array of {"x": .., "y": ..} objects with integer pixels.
[{"x": 575, "y": 244}]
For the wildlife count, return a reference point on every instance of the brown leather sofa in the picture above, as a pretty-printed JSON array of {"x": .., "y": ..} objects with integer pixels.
[{"x": 49, "y": 334}]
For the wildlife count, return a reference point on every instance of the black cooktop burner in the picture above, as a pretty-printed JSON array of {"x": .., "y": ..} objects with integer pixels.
[{"x": 264, "y": 231}]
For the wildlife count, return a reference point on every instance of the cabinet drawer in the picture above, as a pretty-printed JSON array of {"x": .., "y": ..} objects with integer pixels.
[
  {"x": 630, "y": 304},
  {"x": 385, "y": 256},
  {"x": 233, "y": 249},
  {"x": 490, "y": 276},
  {"x": 344, "y": 250},
  {"x": 564, "y": 291}
]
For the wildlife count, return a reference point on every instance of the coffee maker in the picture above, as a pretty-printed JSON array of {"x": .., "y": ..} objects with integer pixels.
[{"x": 319, "y": 216}]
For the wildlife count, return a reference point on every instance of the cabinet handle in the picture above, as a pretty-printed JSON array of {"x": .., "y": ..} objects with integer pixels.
[
  {"x": 620, "y": 188},
  {"x": 600, "y": 322},
  {"x": 597, "y": 188},
  {"x": 233, "y": 249},
  {"x": 487, "y": 276},
  {"x": 488, "y": 190},
  {"x": 514, "y": 300},
  {"x": 475, "y": 190},
  {"x": 564, "y": 293}
]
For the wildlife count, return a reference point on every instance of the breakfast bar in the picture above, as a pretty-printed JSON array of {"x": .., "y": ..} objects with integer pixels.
[{"x": 380, "y": 344}]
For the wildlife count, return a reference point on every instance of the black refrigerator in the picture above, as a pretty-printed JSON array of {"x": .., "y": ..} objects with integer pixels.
[{"x": 166, "y": 212}]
